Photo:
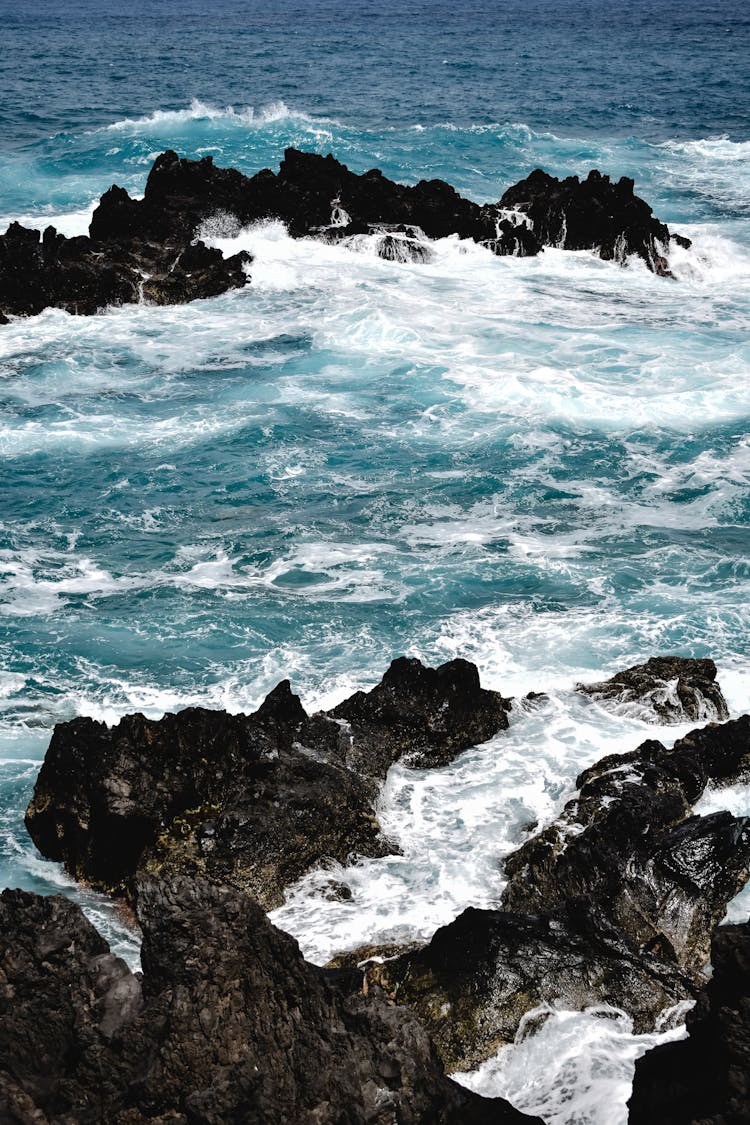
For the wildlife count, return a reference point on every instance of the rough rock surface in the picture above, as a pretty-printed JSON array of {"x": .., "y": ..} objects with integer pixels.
[
  {"x": 704, "y": 1079},
  {"x": 229, "y": 1024},
  {"x": 613, "y": 903},
  {"x": 146, "y": 248},
  {"x": 629, "y": 848},
  {"x": 592, "y": 214},
  {"x": 677, "y": 689},
  {"x": 253, "y": 800},
  {"x": 82, "y": 275},
  {"x": 478, "y": 977}
]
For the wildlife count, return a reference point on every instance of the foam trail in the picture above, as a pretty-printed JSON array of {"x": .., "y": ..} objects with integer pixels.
[{"x": 577, "y": 1069}]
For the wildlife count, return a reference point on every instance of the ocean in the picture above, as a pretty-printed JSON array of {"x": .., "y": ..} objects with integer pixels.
[{"x": 541, "y": 464}]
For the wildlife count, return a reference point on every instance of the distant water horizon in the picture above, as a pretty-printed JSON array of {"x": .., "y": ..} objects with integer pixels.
[{"x": 542, "y": 465}]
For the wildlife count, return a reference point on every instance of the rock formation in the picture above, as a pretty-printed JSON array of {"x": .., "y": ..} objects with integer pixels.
[
  {"x": 704, "y": 1079},
  {"x": 676, "y": 689},
  {"x": 479, "y": 975},
  {"x": 228, "y": 1024},
  {"x": 591, "y": 214},
  {"x": 613, "y": 903},
  {"x": 253, "y": 800},
  {"x": 630, "y": 849},
  {"x": 147, "y": 250}
]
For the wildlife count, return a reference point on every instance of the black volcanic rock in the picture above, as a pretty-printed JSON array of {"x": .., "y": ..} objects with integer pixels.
[
  {"x": 479, "y": 975},
  {"x": 82, "y": 275},
  {"x": 628, "y": 849},
  {"x": 676, "y": 689},
  {"x": 613, "y": 903},
  {"x": 229, "y": 1024},
  {"x": 424, "y": 714},
  {"x": 253, "y": 800},
  {"x": 146, "y": 248},
  {"x": 591, "y": 214},
  {"x": 704, "y": 1079}
]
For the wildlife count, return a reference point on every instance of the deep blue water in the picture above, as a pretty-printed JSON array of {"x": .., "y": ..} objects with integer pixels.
[{"x": 543, "y": 465}]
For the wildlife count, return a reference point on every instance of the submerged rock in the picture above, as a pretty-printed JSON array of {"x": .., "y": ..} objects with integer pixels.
[
  {"x": 704, "y": 1079},
  {"x": 677, "y": 689},
  {"x": 627, "y": 849},
  {"x": 254, "y": 800},
  {"x": 146, "y": 248},
  {"x": 229, "y": 1023}
]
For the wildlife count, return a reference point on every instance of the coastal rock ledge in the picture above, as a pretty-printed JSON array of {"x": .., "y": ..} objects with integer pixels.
[
  {"x": 227, "y": 1024},
  {"x": 252, "y": 800},
  {"x": 151, "y": 249}
]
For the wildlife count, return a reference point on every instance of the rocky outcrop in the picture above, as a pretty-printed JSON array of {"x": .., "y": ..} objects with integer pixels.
[
  {"x": 675, "y": 689},
  {"x": 704, "y": 1079},
  {"x": 478, "y": 977},
  {"x": 146, "y": 249},
  {"x": 83, "y": 275},
  {"x": 229, "y": 1023},
  {"x": 255, "y": 800},
  {"x": 592, "y": 214},
  {"x": 613, "y": 903},
  {"x": 629, "y": 848}
]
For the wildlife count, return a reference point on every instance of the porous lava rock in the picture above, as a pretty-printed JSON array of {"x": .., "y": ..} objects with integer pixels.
[
  {"x": 704, "y": 1079},
  {"x": 255, "y": 800},
  {"x": 83, "y": 275},
  {"x": 227, "y": 1024},
  {"x": 674, "y": 689},
  {"x": 613, "y": 903}
]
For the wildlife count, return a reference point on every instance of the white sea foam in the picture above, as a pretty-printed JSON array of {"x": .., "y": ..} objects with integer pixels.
[
  {"x": 249, "y": 117},
  {"x": 577, "y": 1069}
]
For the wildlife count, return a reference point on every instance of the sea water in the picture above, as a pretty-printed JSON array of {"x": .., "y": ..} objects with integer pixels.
[{"x": 542, "y": 465}]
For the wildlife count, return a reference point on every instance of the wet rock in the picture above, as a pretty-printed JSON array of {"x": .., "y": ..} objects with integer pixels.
[
  {"x": 425, "y": 715},
  {"x": 82, "y": 275},
  {"x": 230, "y": 1024},
  {"x": 628, "y": 849},
  {"x": 677, "y": 689},
  {"x": 253, "y": 800},
  {"x": 478, "y": 977},
  {"x": 704, "y": 1079},
  {"x": 591, "y": 214},
  {"x": 147, "y": 249},
  {"x": 393, "y": 248}
]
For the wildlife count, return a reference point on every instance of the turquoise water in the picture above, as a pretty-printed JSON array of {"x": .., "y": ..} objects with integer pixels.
[{"x": 540, "y": 464}]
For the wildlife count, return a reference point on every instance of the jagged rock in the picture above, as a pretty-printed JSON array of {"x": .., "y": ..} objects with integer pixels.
[
  {"x": 426, "y": 715},
  {"x": 677, "y": 689},
  {"x": 591, "y": 214},
  {"x": 145, "y": 248},
  {"x": 629, "y": 848},
  {"x": 252, "y": 800},
  {"x": 704, "y": 1079},
  {"x": 613, "y": 903},
  {"x": 82, "y": 275},
  {"x": 393, "y": 248},
  {"x": 478, "y": 977},
  {"x": 228, "y": 1024}
]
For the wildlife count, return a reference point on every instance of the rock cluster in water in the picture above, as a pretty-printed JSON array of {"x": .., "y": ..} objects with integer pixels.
[
  {"x": 200, "y": 816},
  {"x": 149, "y": 249},
  {"x": 614, "y": 902}
]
